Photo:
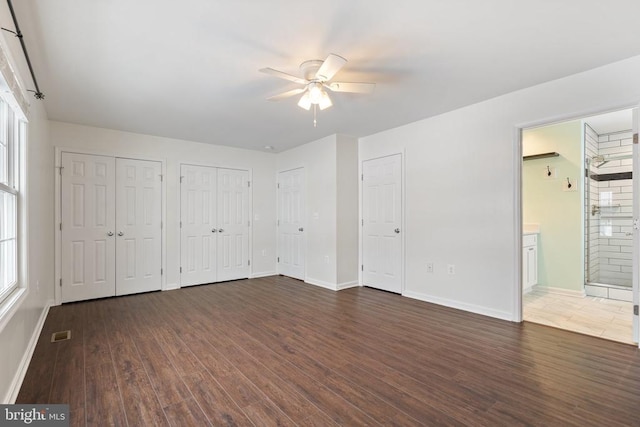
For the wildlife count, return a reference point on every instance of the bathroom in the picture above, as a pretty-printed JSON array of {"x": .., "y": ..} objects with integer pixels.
[{"x": 577, "y": 225}]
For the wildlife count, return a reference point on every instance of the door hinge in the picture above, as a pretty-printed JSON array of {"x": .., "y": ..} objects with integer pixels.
[
  {"x": 363, "y": 222},
  {"x": 362, "y": 177},
  {"x": 181, "y": 179},
  {"x": 60, "y": 226},
  {"x": 161, "y": 225},
  {"x": 161, "y": 271},
  {"x": 60, "y": 282},
  {"x": 249, "y": 223},
  {"x": 249, "y": 184},
  {"x": 60, "y": 169},
  {"x": 180, "y": 224},
  {"x": 635, "y": 310},
  {"x": 248, "y": 262},
  {"x": 160, "y": 177},
  {"x": 278, "y": 259},
  {"x": 278, "y": 223},
  {"x": 180, "y": 269},
  {"x": 635, "y": 138},
  {"x": 362, "y": 267},
  {"x": 278, "y": 185}
]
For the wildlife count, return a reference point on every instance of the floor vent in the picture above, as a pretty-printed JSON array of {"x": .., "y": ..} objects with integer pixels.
[{"x": 60, "y": 336}]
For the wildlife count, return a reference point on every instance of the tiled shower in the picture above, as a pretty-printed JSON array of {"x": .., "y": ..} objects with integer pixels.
[{"x": 608, "y": 214}]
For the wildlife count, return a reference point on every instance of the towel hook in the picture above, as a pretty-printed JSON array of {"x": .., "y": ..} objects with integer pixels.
[
  {"x": 568, "y": 183},
  {"x": 548, "y": 171}
]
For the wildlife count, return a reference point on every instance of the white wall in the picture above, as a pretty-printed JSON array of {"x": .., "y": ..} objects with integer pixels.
[
  {"x": 347, "y": 227},
  {"x": 318, "y": 158},
  {"x": 546, "y": 203},
  {"x": 331, "y": 170},
  {"x": 175, "y": 152},
  {"x": 462, "y": 185}
]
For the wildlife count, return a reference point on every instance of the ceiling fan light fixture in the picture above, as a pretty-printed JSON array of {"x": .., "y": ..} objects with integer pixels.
[
  {"x": 315, "y": 93},
  {"x": 305, "y": 101},
  {"x": 325, "y": 101}
]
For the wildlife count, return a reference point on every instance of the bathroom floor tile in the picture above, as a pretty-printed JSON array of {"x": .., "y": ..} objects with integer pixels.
[{"x": 601, "y": 317}]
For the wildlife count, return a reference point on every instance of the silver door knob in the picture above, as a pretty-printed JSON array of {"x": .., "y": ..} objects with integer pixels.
[
  {"x": 120, "y": 233},
  {"x": 213, "y": 230},
  {"x": 397, "y": 230},
  {"x": 300, "y": 229},
  {"x": 220, "y": 231},
  {"x": 110, "y": 233}
]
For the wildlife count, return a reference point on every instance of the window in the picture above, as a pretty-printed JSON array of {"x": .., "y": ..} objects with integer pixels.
[{"x": 11, "y": 130}]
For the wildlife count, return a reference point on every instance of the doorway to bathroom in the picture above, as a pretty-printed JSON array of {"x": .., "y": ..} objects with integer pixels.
[{"x": 577, "y": 215}]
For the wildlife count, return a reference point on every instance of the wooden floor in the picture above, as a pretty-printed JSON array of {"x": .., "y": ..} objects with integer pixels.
[{"x": 276, "y": 351}]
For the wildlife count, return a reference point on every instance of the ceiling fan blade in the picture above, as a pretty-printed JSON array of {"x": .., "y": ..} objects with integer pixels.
[
  {"x": 351, "y": 87},
  {"x": 282, "y": 75},
  {"x": 286, "y": 94},
  {"x": 330, "y": 67}
]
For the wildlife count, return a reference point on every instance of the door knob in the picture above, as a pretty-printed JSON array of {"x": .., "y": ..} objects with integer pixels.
[
  {"x": 120, "y": 233},
  {"x": 397, "y": 230},
  {"x": 110, "y": 233},
  {"x": 213, "y": 230},
  {"x": 220, "y": 231},
  {"x": 300, "y": 229}
]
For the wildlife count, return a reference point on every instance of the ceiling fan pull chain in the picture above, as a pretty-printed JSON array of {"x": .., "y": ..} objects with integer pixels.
[{"x": 315, "y": 112}]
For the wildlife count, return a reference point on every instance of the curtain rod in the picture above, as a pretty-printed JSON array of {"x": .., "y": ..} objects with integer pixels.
[{"x": 37, "y": 93}]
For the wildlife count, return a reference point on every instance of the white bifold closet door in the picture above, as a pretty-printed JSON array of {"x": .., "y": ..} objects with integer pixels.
[
  {"x": 214, "y": 217},
  {"x": 111, "y": 226}
]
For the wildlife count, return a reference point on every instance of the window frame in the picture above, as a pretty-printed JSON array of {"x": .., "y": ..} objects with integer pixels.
[{"x": 12, "y": 130}]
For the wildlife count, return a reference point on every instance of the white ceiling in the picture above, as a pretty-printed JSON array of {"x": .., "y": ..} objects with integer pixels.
[{"x": 189, "y": 69}]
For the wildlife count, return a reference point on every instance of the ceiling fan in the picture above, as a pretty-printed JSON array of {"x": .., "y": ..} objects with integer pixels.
[{"x": 317, "y": 77}]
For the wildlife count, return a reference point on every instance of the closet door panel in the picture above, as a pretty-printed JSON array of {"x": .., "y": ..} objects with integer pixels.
[{"x": 139, "y": 226}]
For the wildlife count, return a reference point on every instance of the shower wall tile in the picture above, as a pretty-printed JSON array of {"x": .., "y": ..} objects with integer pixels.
[{"x": 609, "y": 240}]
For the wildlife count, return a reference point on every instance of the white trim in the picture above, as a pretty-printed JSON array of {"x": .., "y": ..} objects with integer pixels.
[
  {"x": 11, "y": 304},
  {"x": 347, "y": 285},
  {"x": 263, "y": 274},
  {"x": 321, "y": 283},
  {"x": 559, "y": 291},
  {"x": 18, "y": 378},
  {"x": 517, "y": 227},
  {"x": 503, "y": 315}
]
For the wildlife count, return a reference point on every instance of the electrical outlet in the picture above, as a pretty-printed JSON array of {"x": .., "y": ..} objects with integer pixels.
[
  {"x": 264, "y": 252},
  {"x": 451, "y": 269},
  {"x": 430, "y": 267}
]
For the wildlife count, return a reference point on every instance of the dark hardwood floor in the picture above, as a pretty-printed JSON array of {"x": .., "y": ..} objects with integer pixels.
[{"x": 276, "y": 351}]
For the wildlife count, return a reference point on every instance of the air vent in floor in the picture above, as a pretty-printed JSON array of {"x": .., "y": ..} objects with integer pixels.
[{"x": 60, "y": 336}]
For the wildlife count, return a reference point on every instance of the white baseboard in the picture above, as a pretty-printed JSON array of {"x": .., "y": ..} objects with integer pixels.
[
  {"x": 559, "y": 291},
  {"x": 321, "y": 283},
  {"x": 262, "y": 274},
  {"x": 503, "y": 315},
  {"x": 14, "y": 389},
  {"x": 347, "y": 285}
]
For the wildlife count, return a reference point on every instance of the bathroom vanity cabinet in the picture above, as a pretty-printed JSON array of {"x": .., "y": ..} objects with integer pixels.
[{"x": 529, "y": 261}]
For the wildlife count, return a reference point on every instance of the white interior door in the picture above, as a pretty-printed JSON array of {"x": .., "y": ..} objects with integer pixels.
[
  {"x": 88, "y": 225},
  {"x": 382, "y": 222},
  {"x": 291, "y": 214},
  {"x": 233, "y": 224},
  {"x": 198, "y": 189},
  {"x": 138, "y": 225},
  {"x": 636, "y": 225}
]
